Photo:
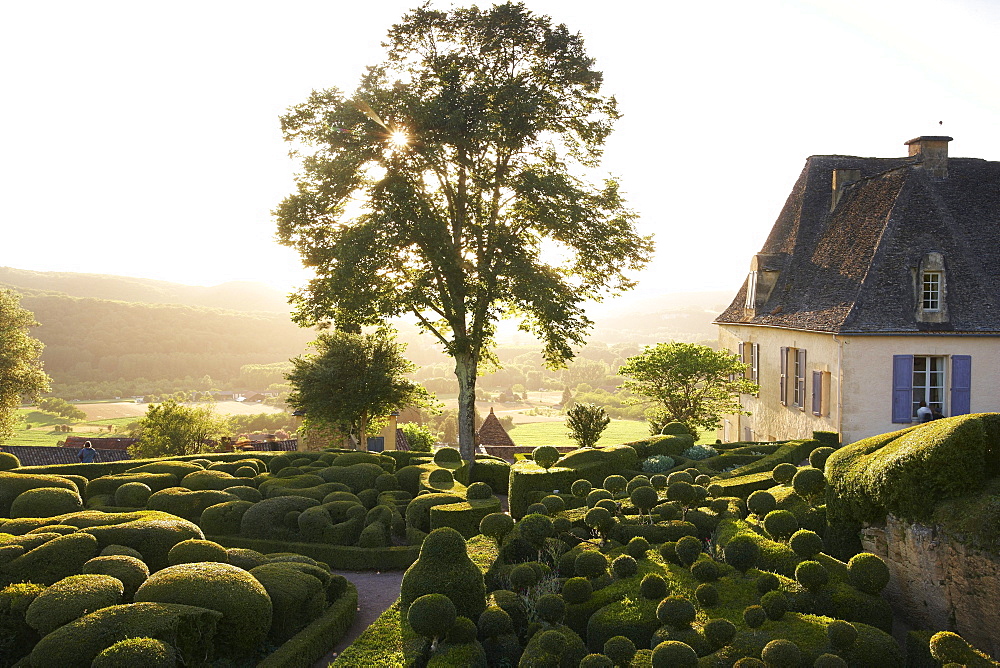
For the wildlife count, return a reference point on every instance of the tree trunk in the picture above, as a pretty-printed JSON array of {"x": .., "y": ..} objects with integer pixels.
[
  {"x": 363, "y": 432},
  {"x": 465, "y": 371}
]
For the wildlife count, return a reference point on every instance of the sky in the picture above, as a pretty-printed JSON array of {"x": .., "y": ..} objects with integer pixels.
[{"x": 142, "y": 138}]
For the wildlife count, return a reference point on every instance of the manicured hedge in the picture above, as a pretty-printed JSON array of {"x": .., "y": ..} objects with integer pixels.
[
  {"x": 340, "y": 557},
  {"x": 313, "y": 642},
  {"x": 464, "y": 517},
  {"x": 791, "y": 452}
]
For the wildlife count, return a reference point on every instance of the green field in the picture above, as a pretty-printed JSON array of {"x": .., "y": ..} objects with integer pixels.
[
  {"x": 555, "y": 433},
  {"x": 36, "y": 436}
]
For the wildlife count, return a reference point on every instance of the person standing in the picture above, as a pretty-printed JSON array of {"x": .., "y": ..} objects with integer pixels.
[
  {"x": 87, "y": 454},
  {"x": 924, "y": 414}
]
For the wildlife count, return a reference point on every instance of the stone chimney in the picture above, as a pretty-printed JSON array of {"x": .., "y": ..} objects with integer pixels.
[
  {"x": 841, "y": 179},
  {"x": 933, "y": 153}
]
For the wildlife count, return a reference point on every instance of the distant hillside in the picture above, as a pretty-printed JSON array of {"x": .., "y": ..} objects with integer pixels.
[{"x": 235, "y": 295}]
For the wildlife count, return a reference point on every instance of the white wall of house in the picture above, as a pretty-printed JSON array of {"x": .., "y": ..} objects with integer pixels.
[
  {"x": 769, "y": 419},
  {"x": 859, "y": 397},
  {"x": 868, "y": 377}
]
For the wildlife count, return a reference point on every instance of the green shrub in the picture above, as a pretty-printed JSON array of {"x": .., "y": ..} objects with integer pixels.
[
  {"x": 109, "y": 484},
  {"x": 811, "y": 575},
  {"x": 868, "y": 573},
  {"x": 496, "y": 526},
  {"x": 51, "y": 561},
  {"x": 707, "y": 594},
  {"x": 827, "y": 438},
  {"x": 178, "y": 469},
  {"x": 194, "y": 550},
  {"x": 13, "y": 485},
  {"x": 71, "y": 598},
  {"x": 624, "y": 566},
  {"x": 688, "y": 548},
  {"x": 577, "y": 590},
  {"x": 637, "y": 547},
  {"x": 818, "y": 457},
  {"x": 699, "y": 452},
  {"x": 754, "y": 616},
  {"x": 596, "y": 661},
  {"x": 761, "y": 502},
  {"x": 590, "y": 564},
  {"x": 809, "y": 483},
  {"x": 146, "y": 652},
  {"x": 242, "y": 600},
  {"x": 677, "y": 611},
  {"x": 780, "y": 524},
  {"x": 131, "y": 572},
  {"x": 121, "y": 550},
  {"x": 431, "y": 615},
  {"x": 841, "y": 634},
  {"x": 705, "y": 570},
  {"x": 807, "y": 544},
  {"x": 186, "y": 503},
  {"x": 657, "y": 464},
  {"x": 546, "y": 649},
  {"x": 223, "y": 519},
  {"x": 550, "y": 608},
  {"x": 674, "y": 654},
  {"x": 545, "y": 456},
  {"x": 444, "y": 567},
  {"x": 210, "y": 479},
  {"x": 266, "y": 519},
  {"x": 775, "y": 605},
  {"x": 418, "y": 511},
  {"x": 653, "y": 587},
  {"x": 480, "y": 490},
  {"x": 784, "y": 472},
  {"x": 297, "y": 598},
  {"x": 132, "y": 495},
  {"x": 8, "y": 461},
  {"x": 767, "y": 582},
  {"x": 77, "y": 644},
  {"x": 46, "y": 502},
  {"x": 719, "y": 632},
  {"x": 643, "y": 498},
  {"x": 152, "y": 537},
  {"x": 781, "y": 653},
  {"x": 829, "y": 661}
]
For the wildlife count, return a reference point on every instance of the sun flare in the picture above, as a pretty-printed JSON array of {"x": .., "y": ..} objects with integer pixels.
[{"x": 399, "y": 139}]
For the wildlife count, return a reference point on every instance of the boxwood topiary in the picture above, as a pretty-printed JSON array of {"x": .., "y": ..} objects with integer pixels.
[
  {"x": 780, "y": 524},
  {"x": 867, "y": 572},
  {"x": 132, "y": 495},
  {"x": 266, "y": 519},
  {"x": 688, "y": 548},
  {"x": 829, "y": 661},
  {"x": 145, "y": 652},
  {"x": 224, "y": 519},
  {"x": 761, "y": 502},
  {"x": 590, "y": 564},
  {"x": 418, "y": 510},
  {"x": 781, "y": 653},
  {"x": 579, "y": 590},
  {"x": 596, "y": 661},
  {"x": 297, "y": 597},
  {"x": 494, "y": 621},
  {"x": 637, "y": 547},
  {"x": 677, "y": 611},
  {"x": 783, "y": 473},
  {"x": 809, "y": 483},
  {"x": 807, "y": 544},
  {"x": 620, "y": 649},
  {"x": 719, "y": 632},
  {"x": 811, "y": 575},
  {"x": 187, "y": 503},
  {"x": 242, "y": 600},
  {"x": 444, "y": 567},
  {"x": 767, "y": 582},
  {"x": 195, "y": 550},
  {"x": 841, "y": 634},
  {"x": 818, "y": 457},
  {"x": 537, "y": 509},
  {"x": 754, "y": 616},
  {"x": 707, "y": 594},
  {"x": 674, "y": 654},
  {"x": 431, "y": 615},
  {"x": 52, "y": 561},
  {"x": 481, "y": 490},
  {"x": 624, "y": 566},
  {"x": 131, "y": 572},
  {"x": 551, "y": 608},
  {"x": 46, "y": 502},
  {"x": 775, "y": 604},
  {"x": 71, "y": 598},
  {"x": 8, "y": 461}
]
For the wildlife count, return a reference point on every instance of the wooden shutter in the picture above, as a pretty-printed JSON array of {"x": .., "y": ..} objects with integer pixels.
[
  {"x": 783, "y": 385},
  {"x": 800, "y": 377},
  {"x": 817, "y": 396},
  {"x": 961, "y": 384},
  {"x": 754, "y": 362},
  {"x": 902, "y": 389},
  {"x": 739, "y": 353}
]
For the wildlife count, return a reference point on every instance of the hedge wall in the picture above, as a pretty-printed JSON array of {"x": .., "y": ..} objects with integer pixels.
[
  {"x": 339, "y": 557},
  {"x": 314, "y": 641}
]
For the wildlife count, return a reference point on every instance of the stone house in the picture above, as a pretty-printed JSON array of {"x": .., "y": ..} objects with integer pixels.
[{"x": 877, "y": 289}]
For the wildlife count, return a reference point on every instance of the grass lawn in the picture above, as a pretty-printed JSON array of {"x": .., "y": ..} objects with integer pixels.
[
  {"x": 534, "y": 434},
  {"x": 42, "y": 430}
]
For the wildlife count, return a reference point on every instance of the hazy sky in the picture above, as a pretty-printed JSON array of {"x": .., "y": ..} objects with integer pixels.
[{"x": 142, "y": 138}]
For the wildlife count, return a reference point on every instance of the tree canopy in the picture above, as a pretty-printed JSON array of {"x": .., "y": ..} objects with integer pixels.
[
  {"x": 351, "y": 379},
  {"x": 21, "y": 374},
  {"x": 454, "y": 186},
  {"x": 688, "y": 383},
  {"x": 171, "y": 428},
  {"x": 586, "y": 423}
]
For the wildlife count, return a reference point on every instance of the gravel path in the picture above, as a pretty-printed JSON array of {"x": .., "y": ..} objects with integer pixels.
[{"x": 376, "y": 592}]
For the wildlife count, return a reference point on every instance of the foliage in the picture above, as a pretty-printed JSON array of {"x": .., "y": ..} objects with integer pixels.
[
  {"x": 352, "y": 378},
  {"x": 62, "y": 408},
  {"x": 21, "y": 375},
  {"x": 419, "y": 436},
  {"x": 586, "y": 422},
  {"x": 495, "y": 105},
  {"x": 171, "y": 429},
  {"x": 688, "y": 383},
  {"x": 699, "y": 452},
  {"x": 657, "y": 464}
]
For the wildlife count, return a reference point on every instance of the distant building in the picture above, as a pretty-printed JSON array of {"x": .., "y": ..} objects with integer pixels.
[
  {"x": 492, "y": 432},
  {"x": 877, "y": 289}
]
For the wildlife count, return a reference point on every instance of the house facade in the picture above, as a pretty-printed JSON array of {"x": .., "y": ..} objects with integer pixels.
[{"x": 878, "y": 289}]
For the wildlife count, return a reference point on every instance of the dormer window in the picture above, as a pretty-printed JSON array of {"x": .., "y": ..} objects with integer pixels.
[
  {"x": 931, "y": 291},
  {"x": 751, "y": 291}
]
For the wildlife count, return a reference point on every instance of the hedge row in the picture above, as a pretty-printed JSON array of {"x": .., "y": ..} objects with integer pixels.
[
  {"x": 339, "y": 557},
  {"x": 313, "y": 642}
]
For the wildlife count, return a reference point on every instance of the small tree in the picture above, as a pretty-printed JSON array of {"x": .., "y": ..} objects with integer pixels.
[
  {"x": 688, "y": 383},
  {"x": 351, "y": 379},
  {"x": 420, "y": 437},
  {"x": 170, "y": 429},
  {"x": 586, "y": 422},
  {"x": 21, "y": 375}
]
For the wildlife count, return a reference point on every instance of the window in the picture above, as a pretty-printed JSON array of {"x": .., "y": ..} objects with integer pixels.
[
  {"x": 793, "y": 374},
  {"x": 751, "y": 290},
  {"x": 917, "y": 378},
  {"x": 930, "y": 293},
  {"x": 749, "y": 354}
]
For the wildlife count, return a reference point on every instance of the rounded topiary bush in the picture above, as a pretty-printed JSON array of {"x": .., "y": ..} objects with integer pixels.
[
  {"x": 688, "y": 548},
  {"x": 537, "y": 509},
  {"x": 680, "y": 476},
  {"x": 496, "y": 526},
  {"x": 577, "y": 590},
  {"x": 653, "y": 587},
  {"x": 841, "y": 634},
  {"x": 867, "y": 572},
  {"x": 775, "y": 604},
  {"x": 829, "y": 661},
  {"x": 113, "y": 549},
  {"x": 620, "y": 649},
  {"x": 131, "y": 572},
  {"x": 444, "y": 567},
  {"x": 597, "y": 518},
  {"x": 553, "y": 503},
  {"x": 674, "y": 428},
  {"x": 609, "y": 505},
  {"x": 596, "y": 495},
  {"x": 948, "y": 647},
  {"x": 195, "y": 550},
  {"x": 624, "y": 566},
  {"x": 551, "y": 608},
  {"x": 545, "y": 456},
  {"x": 441, "y": 478},
  {"x": 809, "y": 483},
  {"x": 8, "y": 462},
  {"x": 659, "y": 481},
  {"x": 590, "y": 564},
  {"x": 681, "y": 492},
  {"x": 535, "y": 528},
  {"x": 615, "y": 483},
  {"x": 494, "y": 622},
  {"x": 462, "y": 631},
  {"x": 71, "y": 598},
  {"x": 742, "y": 552},
  {"x": 761, "y": 502},
  {"x": 754, "y": 616},
  {"x": 805, "y": 543},
  {"x": 676, "y": 611},
  {"x": 674, "y": 654},
  {"x": 242, "y": 600},
  {"x": 783, "y": 473},
  {"x": 431, "y": 615},
  {"x": 636, "y": 482},
  {"x": 719, "y": 632},
  {"x": 448, "y": 458},
  {"x": 749, "y": 662},
  {"x": 581, "y": 488},
  {"x": 811, "y": 575},
  {"x": 707, "y": 594},
  {"x": 644, "y": 498},
  {"x": 479, "y": 490},
  {"x": 767, "y": 582},
  {"x": 818, "y": 457},
  {"x": 780, "y": 524},
  {"x": 522, "y": 577},
  {"x": 668, "y": 551},
  {"x": 133, "y": 495},
  {"x": 596, "y": 661},
  {"x": 46, "y": 502},
  {"x": 132, "y": 652},
  {"x": 781, "y": 653},
  {"x": 705, "y": 570},
  {"x": 245, "y": 472},
  {"x": 637, "y": 547}
]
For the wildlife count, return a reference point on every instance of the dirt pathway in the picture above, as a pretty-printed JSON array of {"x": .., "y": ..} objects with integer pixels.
[{"x": 376, "y": 592}]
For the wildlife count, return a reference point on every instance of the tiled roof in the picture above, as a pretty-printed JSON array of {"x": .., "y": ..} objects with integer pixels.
[
  {"x": 492, "y": 432},
  {"x": 402, "y": 444},
  {"x": 853, "y": 269},
  {"x": 41, "y": 455}
]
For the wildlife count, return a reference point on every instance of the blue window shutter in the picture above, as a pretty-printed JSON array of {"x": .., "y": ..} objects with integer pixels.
[
  {"x": 961, "y": 384},
  {"x": 782, "y": 386},
  {"x": 817, "y": 399},
  {"x": 902, "y": 389}
]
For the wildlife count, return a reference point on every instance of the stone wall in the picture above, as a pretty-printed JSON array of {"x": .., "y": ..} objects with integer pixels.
[{"x": 938, "y": 583}]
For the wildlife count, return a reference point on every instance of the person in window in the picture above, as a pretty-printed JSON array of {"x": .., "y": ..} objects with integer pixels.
[
  {"x": 87, "y": 454},
  {"x": 924, "y": 414}
]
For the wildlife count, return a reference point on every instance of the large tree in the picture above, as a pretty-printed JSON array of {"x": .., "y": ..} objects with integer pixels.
[
  {"x": 453, "y": 186},
  {"x": 21, "y": 374},
  {"x": 171, "y": 428},
  {"x": 688, "y": 383},
  {"x": 351, "y": 379}
]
